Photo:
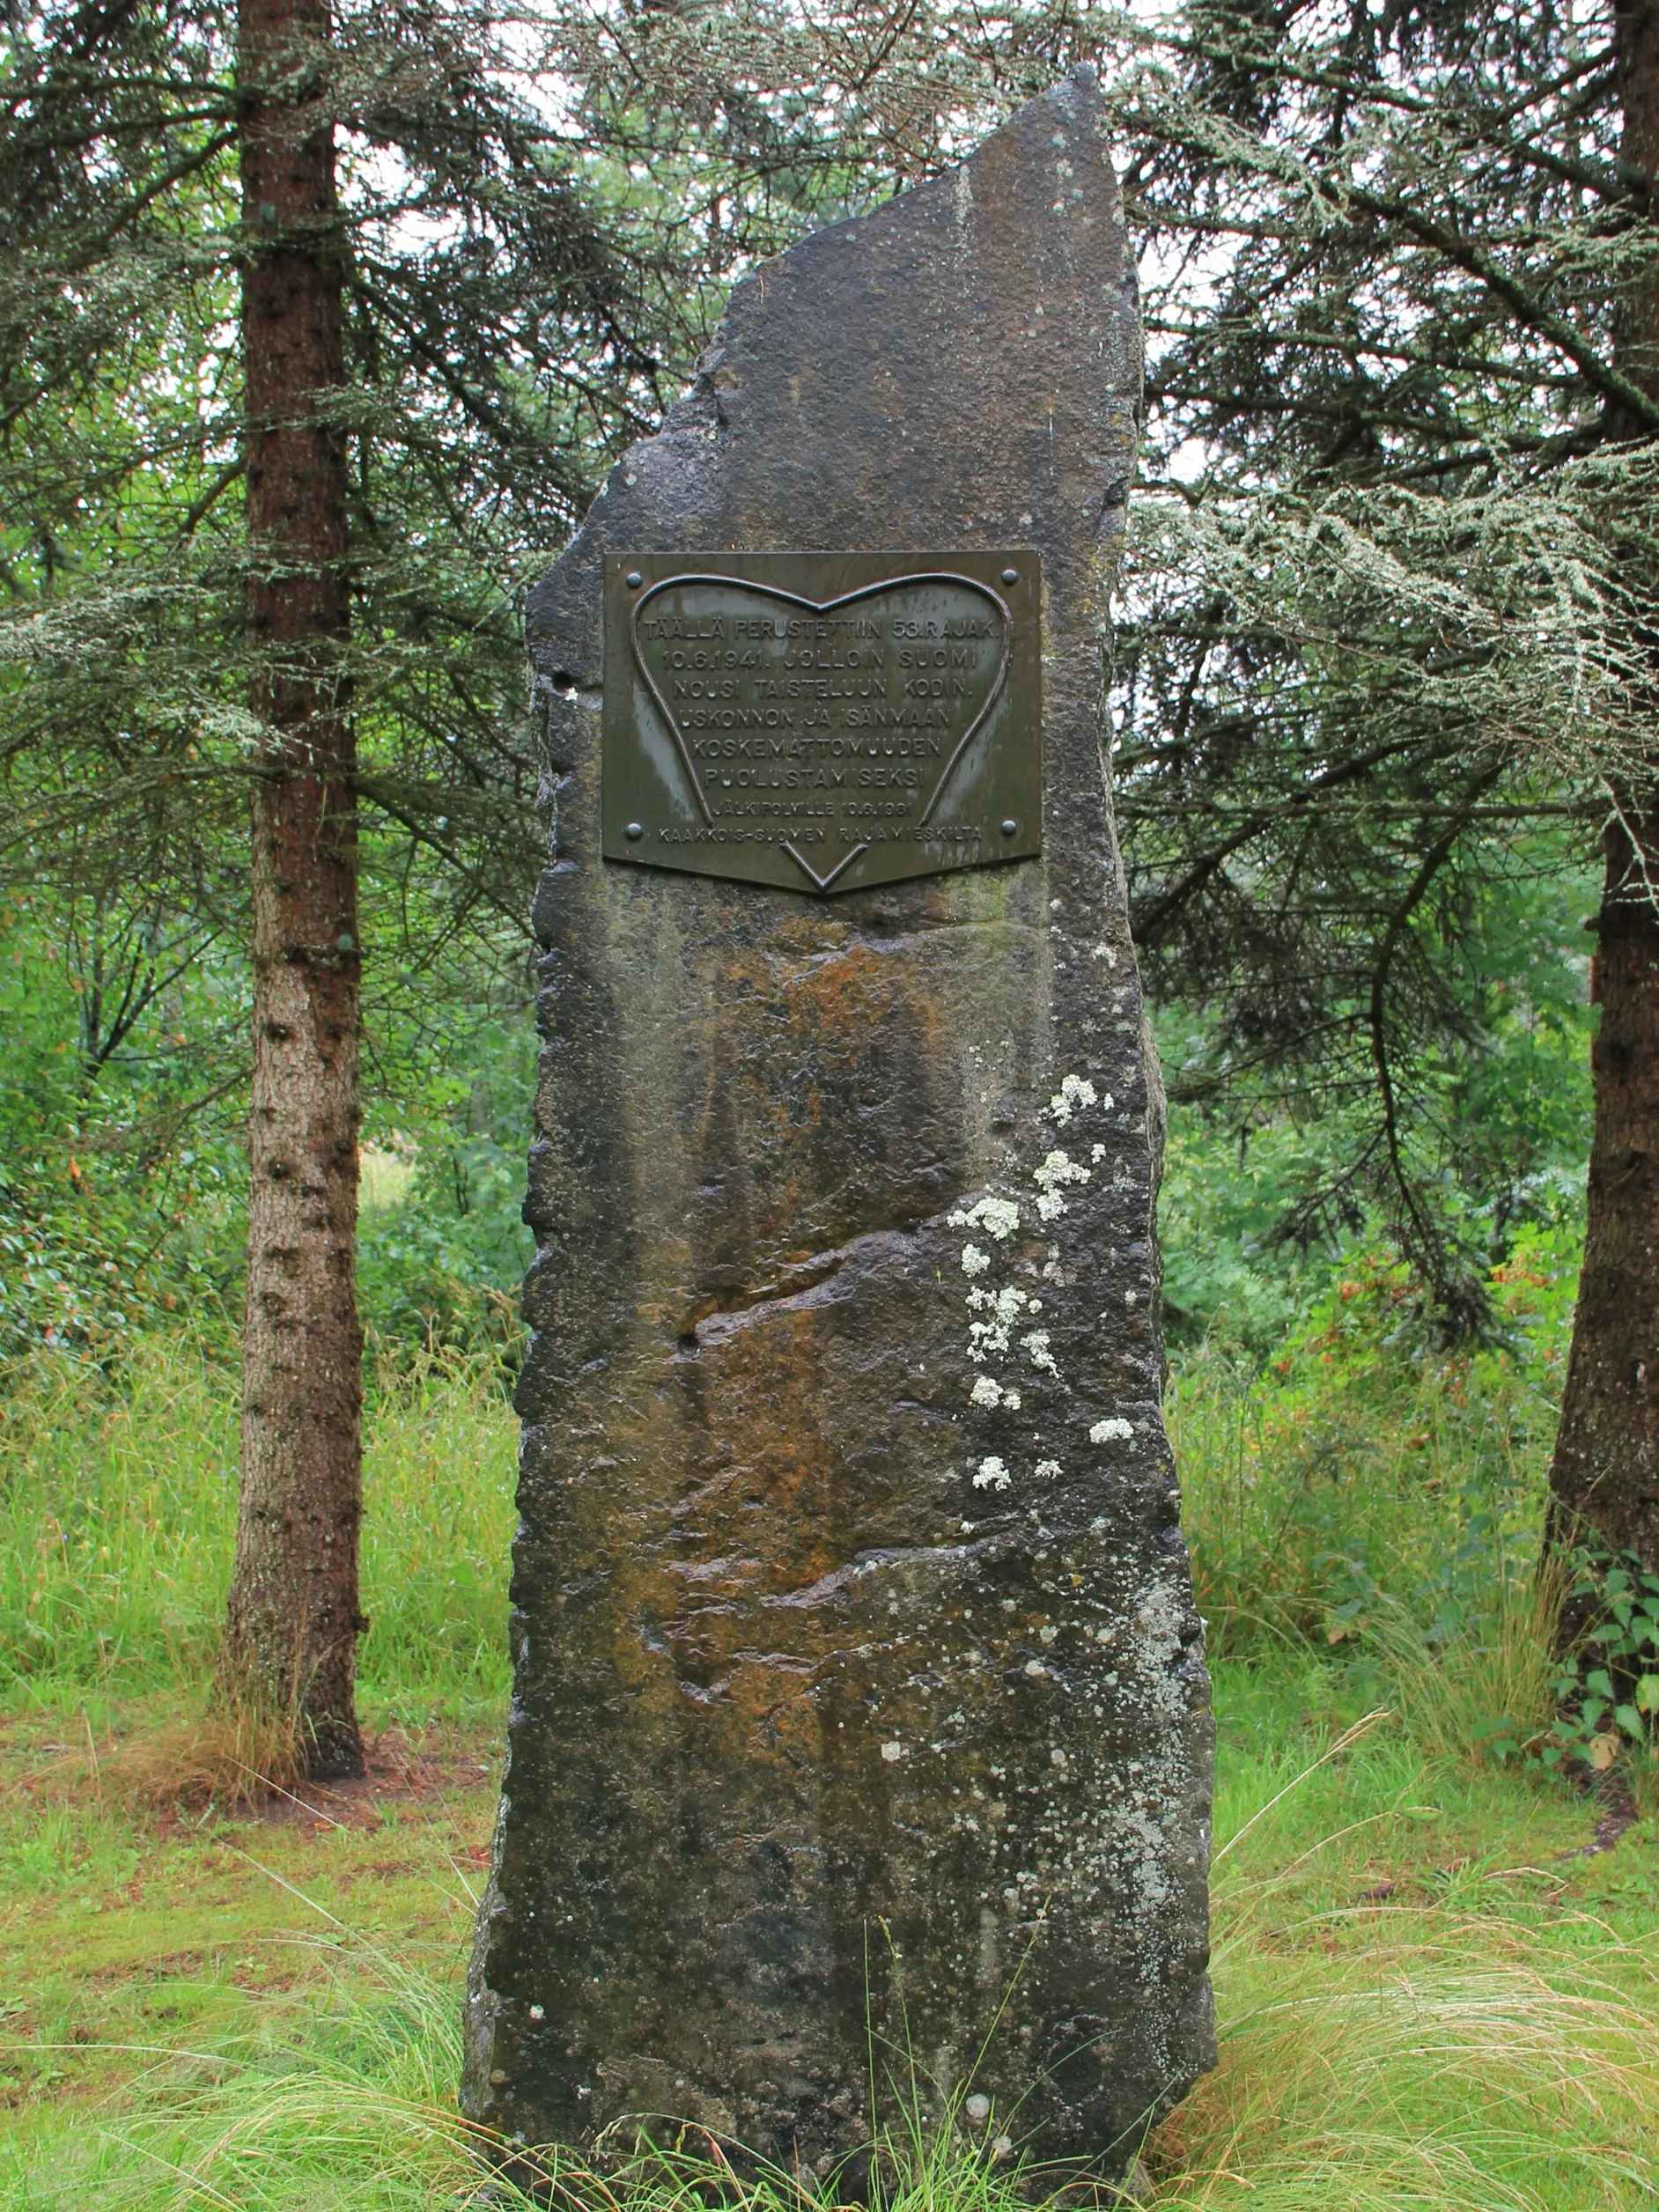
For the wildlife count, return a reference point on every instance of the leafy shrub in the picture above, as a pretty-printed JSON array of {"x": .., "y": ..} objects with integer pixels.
[
  {"x": 1362, "y": 1471},
  {"x": 1605, "y": 1690}
]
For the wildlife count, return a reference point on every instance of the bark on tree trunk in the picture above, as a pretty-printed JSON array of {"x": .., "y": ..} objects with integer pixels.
[
  {"x": 293, "y": 1614},
  {"x": 1604, "y": 1475}
]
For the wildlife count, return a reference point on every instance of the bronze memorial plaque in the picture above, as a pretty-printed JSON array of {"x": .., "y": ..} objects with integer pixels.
[{"x": 823, "y": 722}]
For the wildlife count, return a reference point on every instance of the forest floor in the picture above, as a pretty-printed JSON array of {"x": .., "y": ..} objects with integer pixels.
[{"x": 1433, "y": 1989}]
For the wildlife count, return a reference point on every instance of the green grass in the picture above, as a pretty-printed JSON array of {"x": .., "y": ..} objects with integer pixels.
[
  {"x": 1360, "y": 1465},
  {"x": 118, "y": 1515},
  {"x": 1421, "y": 2000},
  {"x": 1425, "y": 1999}
]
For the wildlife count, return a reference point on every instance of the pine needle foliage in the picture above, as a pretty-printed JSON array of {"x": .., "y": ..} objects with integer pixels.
[
  {"x": 494, "y": 313},
  {"x": 508, "y": 319}
]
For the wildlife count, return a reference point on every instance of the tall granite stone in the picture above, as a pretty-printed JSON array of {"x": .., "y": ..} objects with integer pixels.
[{"x": 859, "y": 1699}]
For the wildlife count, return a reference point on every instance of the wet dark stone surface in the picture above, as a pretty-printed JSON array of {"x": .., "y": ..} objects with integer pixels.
[{"x": 820, "y": 1719}]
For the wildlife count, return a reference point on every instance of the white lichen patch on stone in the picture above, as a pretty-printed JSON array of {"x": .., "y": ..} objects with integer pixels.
[
  {"x": 1142, "y": 1844},
  {"x": 1075, "y": 1093},
  {"x": 1111, "y": 1431},
  {"x": 1036, "y": 1344},
  {"x": 989, "y": 1392},
  {"x": 996, "y": 1312},
  {"x": 1059, "y": 1167},
  {"x": 991, "y": 1337},
  {"x": 998, "y": 1216},
  {"x": 1161, "y": 1619},
  {"x": 1097, "y": 1153}
]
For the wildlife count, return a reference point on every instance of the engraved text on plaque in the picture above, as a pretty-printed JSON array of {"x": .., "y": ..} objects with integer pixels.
[{"x": 821, "y": 721}]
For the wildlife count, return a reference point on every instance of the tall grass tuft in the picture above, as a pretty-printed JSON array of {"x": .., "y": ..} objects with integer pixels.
[
  {"x": 348, "y": 2100},
  {"x": 440, "y": 1467},
  {"x": 118, "y": 1520},
  {"x": 1467, "y": 2064},
  {"x": 1369, "y": 2062},
  {"x": 1484, "y": 1685},
  {"x": 1354, "y": 1464}
]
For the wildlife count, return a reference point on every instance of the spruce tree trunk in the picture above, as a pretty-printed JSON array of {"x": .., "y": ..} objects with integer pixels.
[
  {"x": 293, "y": 1615},
  {"x": 1604, "y": 1478}
]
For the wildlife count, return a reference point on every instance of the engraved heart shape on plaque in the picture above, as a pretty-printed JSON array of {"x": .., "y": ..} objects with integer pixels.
[{"x": 908, "y": 670}]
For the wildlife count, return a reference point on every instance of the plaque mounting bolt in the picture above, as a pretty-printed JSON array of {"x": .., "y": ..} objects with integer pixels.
[
  {"x": 1010, "y": 575},
  {"x": 634, "y": 830},
  {"x": 1010, "y": 826},
  {"x": 633, "y": 579}
]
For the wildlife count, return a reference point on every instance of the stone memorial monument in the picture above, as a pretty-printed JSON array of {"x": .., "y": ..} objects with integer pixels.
[{"x": 860, "y": 1738}]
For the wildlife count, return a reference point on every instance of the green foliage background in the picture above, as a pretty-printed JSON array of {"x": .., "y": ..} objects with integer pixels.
[
  {"x": 1255, "y": 1221},
  {"x": 123, "y": 1192}
]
